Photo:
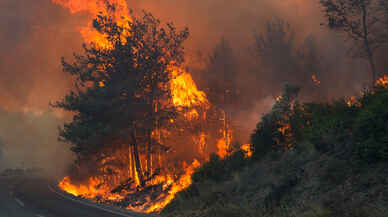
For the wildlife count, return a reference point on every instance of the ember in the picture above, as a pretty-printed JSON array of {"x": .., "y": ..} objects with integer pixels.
[
  {"x": 383, "y": 81},
  {"x": 315, "y": 80}
]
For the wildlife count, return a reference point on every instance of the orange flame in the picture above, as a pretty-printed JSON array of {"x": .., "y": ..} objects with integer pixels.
[
  {"x": 223, "y": 148},
  {"x": 247, "y": 149},
  {"x": 184, "y": 91},
  {"x": 95, "y": 8},
  {"x": 315, "y": 80},
  {"x": 183, "y": 182},
  {"x": 93, "y": 189},
  {"x": 352, "y": 101},
  {"x": 383, "y": 81}
]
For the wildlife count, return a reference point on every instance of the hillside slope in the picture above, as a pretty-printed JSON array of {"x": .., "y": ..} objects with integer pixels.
[{"x": 331, "y": 160}]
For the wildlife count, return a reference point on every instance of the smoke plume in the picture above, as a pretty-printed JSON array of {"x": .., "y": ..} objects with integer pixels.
[{"x": 37, "y": 33}]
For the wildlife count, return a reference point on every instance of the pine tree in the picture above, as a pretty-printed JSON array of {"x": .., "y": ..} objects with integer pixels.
[{"x": 118, "y": 89}]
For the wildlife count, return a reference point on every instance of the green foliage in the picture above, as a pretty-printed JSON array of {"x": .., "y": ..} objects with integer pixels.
[
  {"x": 325, "y": 181},
  {"x": 220, "y": 169},
  {"x": 341, "y": 127},
  {"x": 371, "y": 127},
  {"x": 329, "y": 125}
]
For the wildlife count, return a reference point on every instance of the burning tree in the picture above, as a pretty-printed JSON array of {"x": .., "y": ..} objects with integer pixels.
[
  {"x": 139, "y": 117},
  {"x": 122, "y": 92}
]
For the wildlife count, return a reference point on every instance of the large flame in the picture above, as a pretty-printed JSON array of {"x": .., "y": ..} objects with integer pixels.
[
  {"x": 184, "y": 90},
  {"x": 119, "y": 12},
  {"x": 94, "y": 188},
  {"x": 183, "y": 182}
]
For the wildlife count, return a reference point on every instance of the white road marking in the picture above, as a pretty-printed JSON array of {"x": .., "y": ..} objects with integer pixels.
[
  {"x": 87, "y": 204},
  {"x": 39, "y": 215},
  {"x": 19, "y": 202}
]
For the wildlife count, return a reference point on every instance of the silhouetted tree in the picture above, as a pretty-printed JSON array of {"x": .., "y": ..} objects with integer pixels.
[
  {"x": 280, "y": 59},
  {"x": 275, "y": 49},
  {"x": 222, "y": 74},
  {"x": 118, "y": 89},
  {"x": 361, "y": 21}
]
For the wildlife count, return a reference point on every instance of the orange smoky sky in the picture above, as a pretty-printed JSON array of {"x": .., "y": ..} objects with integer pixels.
[{"x": 37, "y": 33}]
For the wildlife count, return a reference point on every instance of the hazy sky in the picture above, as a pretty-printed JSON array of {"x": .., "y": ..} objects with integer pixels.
[{"x": 37, "y": 33}]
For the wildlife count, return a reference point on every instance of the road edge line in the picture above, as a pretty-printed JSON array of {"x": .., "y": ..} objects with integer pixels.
[
  {"x": 88, "y": 204},
  {"x": 19, "y": 202}
]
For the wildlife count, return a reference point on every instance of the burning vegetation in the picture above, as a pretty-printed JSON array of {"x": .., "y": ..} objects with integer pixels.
[{"x": 141, "y": 126}]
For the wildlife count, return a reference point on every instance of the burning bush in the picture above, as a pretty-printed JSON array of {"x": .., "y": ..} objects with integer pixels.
[{"x": 274, "y": 131}]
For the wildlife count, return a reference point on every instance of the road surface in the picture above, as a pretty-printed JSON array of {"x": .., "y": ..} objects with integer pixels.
[
  {"x": 10, "y": 206},
  {"x": 35, "y": 197}
]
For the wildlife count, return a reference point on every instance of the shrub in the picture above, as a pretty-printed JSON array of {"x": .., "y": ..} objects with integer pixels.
[
  {"x": 336, "y": 172},
  {"x": 371, "y": 127},
  {"x": 214, "y": 169},
  {"x": 220, "y": 169},
  {"x": 329, "y": 125}
]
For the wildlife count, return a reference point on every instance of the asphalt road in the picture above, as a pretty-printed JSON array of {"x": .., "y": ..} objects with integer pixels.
[
  {"x": 10, "y": 206},
  {"x": 35, "y": 197}
]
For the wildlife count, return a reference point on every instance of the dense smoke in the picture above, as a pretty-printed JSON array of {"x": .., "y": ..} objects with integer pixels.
[
  {"x": 29, "y": 140},
  {"x": 37, "y": 33}
]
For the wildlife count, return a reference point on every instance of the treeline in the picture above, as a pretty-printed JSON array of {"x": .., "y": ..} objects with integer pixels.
[{"x": 278, "y": 53}]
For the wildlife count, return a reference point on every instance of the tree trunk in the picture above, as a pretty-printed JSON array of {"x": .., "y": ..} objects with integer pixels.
[
  {"x": 133, "y": 174},
  {"x": 366, "y": 43},
  {"x": 129, "y": 160},
  {"x": 149, "y": 169},
  {"x": 137, "y": 159}
]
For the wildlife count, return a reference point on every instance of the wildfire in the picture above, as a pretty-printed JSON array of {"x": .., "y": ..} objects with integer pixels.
[
  {"x": 222, "y": 148},
  {"x": 247, "y": 149},
  {"x": 184, "y": 94},
  {"x": 98, "y": 7},
  {"x": 94, "y": 188},
  {"x": 383, "y": 81},
  {"x": 284, "y": 128},
  {"x": 352, "y": 101},
  {"x": 183, "y": 182},
  {"x": 184, "y": 90},
  {"x": 315, "y": 80}
]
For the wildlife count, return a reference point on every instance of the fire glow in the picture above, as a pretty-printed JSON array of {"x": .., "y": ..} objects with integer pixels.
[{"x": 165, "y": 176}]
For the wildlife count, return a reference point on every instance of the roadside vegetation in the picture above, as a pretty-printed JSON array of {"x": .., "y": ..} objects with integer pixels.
[
  {"x": 311, "y": 157},
  {"x": 330, "y": 160}
]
